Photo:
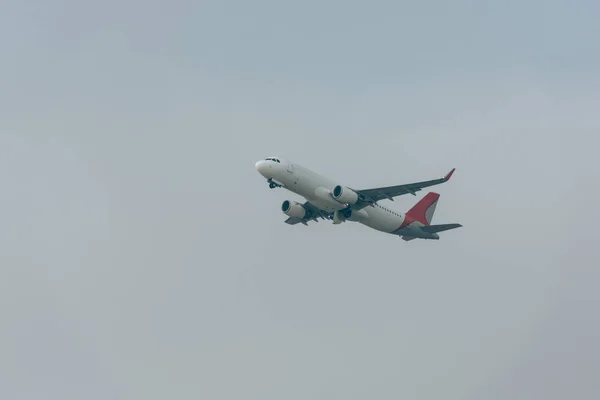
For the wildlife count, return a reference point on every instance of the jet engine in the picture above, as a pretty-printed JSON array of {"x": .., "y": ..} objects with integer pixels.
[
  {"x": 293, "y": 209},
  {"x": 344, "y": 195}
]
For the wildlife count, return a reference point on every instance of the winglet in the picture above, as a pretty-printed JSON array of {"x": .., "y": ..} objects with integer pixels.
[{"x": 449, "y": 174}]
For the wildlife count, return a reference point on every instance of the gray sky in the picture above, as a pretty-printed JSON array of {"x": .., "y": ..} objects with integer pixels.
[{"x": 144, "y": 258}]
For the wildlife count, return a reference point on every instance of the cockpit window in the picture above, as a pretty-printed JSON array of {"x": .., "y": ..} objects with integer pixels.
[{"x": 273, "y": 159}]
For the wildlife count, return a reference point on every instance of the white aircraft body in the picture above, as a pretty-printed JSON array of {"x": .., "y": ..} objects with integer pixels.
[{"x": 326, "y": 199}]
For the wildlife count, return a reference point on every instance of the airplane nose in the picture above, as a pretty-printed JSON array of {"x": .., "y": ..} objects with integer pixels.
[{"x": 262, "y": 167}]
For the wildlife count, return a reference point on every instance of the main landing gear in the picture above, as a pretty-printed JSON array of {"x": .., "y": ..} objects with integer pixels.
[
  {"x": 340, "y": 216},
  {"x": 347, "y": 212}
]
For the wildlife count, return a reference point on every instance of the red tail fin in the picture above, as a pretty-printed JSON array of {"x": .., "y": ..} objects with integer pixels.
[{"x": 424, "y": 209}]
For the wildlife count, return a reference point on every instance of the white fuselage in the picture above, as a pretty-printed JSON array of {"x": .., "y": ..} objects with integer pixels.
[{"x": 317, "y": 190}]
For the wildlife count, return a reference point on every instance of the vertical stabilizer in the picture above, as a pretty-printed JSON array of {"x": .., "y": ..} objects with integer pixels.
[{"x": 423, "y": 211}]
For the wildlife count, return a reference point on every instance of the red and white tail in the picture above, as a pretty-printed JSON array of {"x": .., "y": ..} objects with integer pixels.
[{"x": 424, "y": 209}]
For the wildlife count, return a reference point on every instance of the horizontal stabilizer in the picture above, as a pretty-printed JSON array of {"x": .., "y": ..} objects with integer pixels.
[{"x": 439, "y": 228}]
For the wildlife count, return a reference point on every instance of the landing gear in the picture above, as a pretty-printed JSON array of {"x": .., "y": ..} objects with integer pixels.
[{"x": 272, "y": 184}]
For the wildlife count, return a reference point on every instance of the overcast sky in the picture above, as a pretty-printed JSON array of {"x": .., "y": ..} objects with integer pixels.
[{"x": 143, "y": 257}]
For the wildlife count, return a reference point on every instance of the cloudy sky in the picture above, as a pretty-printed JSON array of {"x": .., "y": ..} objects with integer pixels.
[{"x": 143, "y": 257}]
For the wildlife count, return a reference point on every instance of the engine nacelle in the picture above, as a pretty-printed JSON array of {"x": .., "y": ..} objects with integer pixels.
[
  {"x": 293, "y": 209},
  {"x": 344, "y": 195}
]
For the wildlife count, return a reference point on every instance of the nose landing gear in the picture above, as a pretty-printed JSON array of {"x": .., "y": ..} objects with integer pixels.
[{"x": 272, "y": 184}]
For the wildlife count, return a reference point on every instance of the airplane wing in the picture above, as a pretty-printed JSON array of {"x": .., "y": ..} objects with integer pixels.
[
  {"x": 312, "y": 213},
  {"x": 371, "y": 196}
]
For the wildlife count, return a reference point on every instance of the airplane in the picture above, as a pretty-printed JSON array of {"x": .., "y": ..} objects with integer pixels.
[{"x": 328, "y": 200}]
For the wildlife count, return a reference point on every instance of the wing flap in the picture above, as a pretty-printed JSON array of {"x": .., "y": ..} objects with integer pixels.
[
  {"x": 294, "y": 221},
  {"x": 312, "y": 214}
]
